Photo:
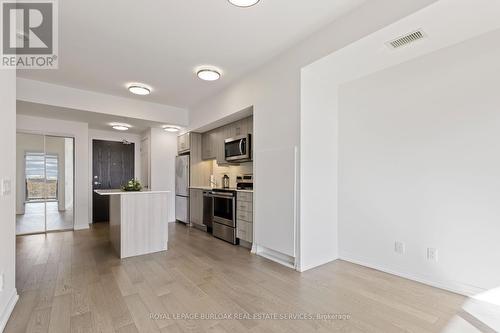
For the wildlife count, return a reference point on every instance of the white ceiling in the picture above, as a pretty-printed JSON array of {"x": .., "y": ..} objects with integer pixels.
[
  {"x": 103, "y": 45},
  {"x": 98, "y": 121}
]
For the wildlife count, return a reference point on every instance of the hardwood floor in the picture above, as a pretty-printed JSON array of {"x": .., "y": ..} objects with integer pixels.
[
  {"x": 74, "y": 282},
  {"x": 33, "y": 219}
]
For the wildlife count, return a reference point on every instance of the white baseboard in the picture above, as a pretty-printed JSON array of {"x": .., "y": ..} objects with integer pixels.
[
  {"x": 449, "y": 285},
  {"x": 302, "y": 268},
  {"x": 5, "y": 315},
  {"x": 254, "y": 248},
  {"x": 81, "y": 227},
  {"x": 275, "y": 256}
]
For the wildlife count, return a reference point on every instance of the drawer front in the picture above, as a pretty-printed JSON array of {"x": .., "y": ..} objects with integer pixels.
[
  {"x": 245, "y": 196},
  {"x": 224, "y": 232},
  {"x": 246, "y": 216},
  {"x": 244, "y": 206}
]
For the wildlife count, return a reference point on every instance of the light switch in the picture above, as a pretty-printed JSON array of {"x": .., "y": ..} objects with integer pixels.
[{"x": 6, "y": 187}]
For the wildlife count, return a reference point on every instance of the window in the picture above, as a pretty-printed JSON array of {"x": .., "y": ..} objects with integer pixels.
[
  {"x": 41, "y": 176},
  {"x": 51, "y": 164}
]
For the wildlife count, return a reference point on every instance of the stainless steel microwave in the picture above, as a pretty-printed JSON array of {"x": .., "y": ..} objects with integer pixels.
[{"x": 238, "y": 149}]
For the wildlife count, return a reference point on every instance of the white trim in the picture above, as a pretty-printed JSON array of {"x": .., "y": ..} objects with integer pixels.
[
  {"x": 296, "y": 210},
  {"x": 81, "y": 227},
  {"x": 255, "y": 240},
  {"x": 449, "y": 285},
  {"x": 275, "y": 256},
  {"x": 4, "y": 318},
  {"x": 315, "y": 264}
]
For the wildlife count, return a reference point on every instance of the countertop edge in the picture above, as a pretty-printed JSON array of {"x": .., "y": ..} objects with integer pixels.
[
  {"x": 119, "y": 192},
  {"x": 209, "y": 188}
]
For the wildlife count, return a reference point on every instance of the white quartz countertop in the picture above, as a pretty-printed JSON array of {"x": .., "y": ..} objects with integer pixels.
[
  {"x": 121, "y": 192},
  {"x": 216, "y": 188},
  {"x": 202, "y": 188}
]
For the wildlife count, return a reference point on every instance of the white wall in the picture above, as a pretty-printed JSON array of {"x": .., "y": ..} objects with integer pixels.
[
  {"x": 274, "y": 91},
  {"x": 319, "y": 159},
  {"x": 69, "y": 162},
  {"x": 146, "y": 159},
  {"x": 163, "y": 150},
  {"x": 419, "y": 163},
  {"x": 79, "y": 131},
  {"x": 320, "y": 85},
  {"x": 8, "y": 295}
]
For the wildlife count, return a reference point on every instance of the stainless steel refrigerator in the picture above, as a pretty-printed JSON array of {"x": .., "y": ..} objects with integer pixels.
[{"x": 182, "y": 188}]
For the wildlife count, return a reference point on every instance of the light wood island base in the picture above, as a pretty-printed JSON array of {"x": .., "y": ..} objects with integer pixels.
[{"x": 138, "y": 222}]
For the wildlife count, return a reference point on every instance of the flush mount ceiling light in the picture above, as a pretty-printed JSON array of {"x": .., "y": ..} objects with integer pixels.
[
  {"x": 120, "y": 126},
  {"x": 170, "y": 128},
  {"x": 139, "y": 89},
  {"x": 244, "y": 3},
  {"x": 208, "y": 74}
]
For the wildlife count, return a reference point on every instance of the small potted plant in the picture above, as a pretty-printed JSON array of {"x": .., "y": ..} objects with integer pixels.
[{"x": 132, "y": 185}]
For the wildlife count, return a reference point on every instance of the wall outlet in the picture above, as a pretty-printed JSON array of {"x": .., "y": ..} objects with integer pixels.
[
  {"x": 6, "y": 187},
  {"x": 432, "y": 254},
  {"x": 399, "y": 247},
  {"x": 1, "y": 282}
]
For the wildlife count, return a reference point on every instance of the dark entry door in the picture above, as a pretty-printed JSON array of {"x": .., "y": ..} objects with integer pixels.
[{"x": 113, "y": 165}]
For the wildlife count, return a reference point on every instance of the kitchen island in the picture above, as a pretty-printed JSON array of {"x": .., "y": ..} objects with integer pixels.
[{"x": 138, "y": 221}]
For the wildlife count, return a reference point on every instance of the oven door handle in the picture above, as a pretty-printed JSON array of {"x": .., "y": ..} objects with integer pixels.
[
  {"x": 230, "y": 196},
  {"x": 241, "y": 146}
]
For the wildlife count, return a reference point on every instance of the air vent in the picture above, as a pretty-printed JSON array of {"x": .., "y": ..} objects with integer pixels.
[{"x": 407, "y": 39}]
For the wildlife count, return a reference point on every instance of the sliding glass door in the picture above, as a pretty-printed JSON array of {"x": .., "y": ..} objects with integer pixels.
[
  {"x": 30, "y": 184},
  {"x": 44, "y": 184}
]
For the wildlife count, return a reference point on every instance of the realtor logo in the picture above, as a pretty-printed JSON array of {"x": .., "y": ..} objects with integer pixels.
[{"x": 29, "y": 34}]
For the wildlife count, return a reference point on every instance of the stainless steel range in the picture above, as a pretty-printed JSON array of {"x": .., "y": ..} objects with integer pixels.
[{"x": 224, "y": 215}]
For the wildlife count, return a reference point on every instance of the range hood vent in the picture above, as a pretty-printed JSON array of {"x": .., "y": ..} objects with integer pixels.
[{"x": 406, "y": 39}]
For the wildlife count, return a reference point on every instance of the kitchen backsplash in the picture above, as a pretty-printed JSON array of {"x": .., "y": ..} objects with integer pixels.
[{"x": 232, "y": 171}]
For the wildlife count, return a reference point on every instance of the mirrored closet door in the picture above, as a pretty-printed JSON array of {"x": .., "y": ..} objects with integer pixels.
[{"x": 44, "y": 184}]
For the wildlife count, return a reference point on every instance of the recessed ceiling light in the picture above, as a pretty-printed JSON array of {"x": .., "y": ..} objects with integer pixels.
[
  {"x": 244, "y": 3},
  {"x": 139, "y": 89},
  {"x": 208, "y": 74},
  {"x": 171, "y": 128},
  {"x": 120, "y": 127}
]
